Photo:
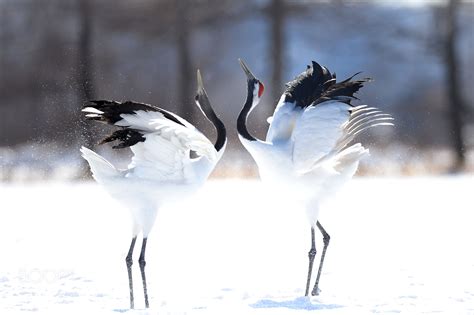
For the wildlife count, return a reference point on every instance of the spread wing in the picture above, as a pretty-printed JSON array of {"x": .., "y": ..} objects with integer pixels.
[
  {"x": 161, "y": 141},
  {"x": 300, "y": 93},
  {"x": 283, "y": 121},
  {"x": 323, "y": 130},
  {"x": 313, "y": 86},
  {"x": 317, "y": 132}
]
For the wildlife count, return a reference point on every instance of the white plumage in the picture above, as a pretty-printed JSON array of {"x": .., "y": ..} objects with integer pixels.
[
  {"x": 305, "y": 155},
  {"x": 171, "y": 159},
  {"x": 161, "y": 168}
]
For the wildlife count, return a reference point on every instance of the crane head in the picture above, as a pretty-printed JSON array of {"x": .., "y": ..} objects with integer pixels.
[{"x": 254, "y": 84}]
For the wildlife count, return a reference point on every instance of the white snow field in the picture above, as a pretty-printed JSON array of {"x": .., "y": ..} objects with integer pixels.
[{"x": 399, "y": 245}]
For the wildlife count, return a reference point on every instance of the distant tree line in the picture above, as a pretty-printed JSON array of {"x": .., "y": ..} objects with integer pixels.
[{"x": 56, "y": 54}]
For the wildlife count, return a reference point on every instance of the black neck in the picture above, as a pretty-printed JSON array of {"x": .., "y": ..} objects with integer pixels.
[
  {"x": 212, "y": 117},
  {"x": 221, "y": 131},
  {"x": 242, "y": 120}
]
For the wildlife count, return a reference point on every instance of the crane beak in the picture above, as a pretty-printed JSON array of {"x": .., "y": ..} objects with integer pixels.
[
  {"x": 247, "y": 71},
  {"x": 200, "y": 85},
  {"x": 202, "y": 100}
]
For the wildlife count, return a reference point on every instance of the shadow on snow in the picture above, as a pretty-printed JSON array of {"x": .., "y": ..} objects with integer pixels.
[{"x": 300, "y": 303}]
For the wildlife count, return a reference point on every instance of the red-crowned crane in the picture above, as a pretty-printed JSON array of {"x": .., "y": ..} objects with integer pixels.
[
  {"x": 171, "y": 159},
  {"x": 306, "y": 153}
]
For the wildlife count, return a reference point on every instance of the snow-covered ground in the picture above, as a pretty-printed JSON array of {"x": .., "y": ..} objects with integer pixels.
[{"x": 399, "y": 245}]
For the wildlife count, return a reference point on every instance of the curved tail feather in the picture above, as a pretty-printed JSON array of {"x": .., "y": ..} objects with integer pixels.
[{"x": 100, "y": 167}]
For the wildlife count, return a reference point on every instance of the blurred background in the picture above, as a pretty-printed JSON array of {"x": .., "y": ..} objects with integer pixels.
[{"x": 55, "y": 54}]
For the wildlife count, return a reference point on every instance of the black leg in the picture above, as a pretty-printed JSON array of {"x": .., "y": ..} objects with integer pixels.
[
  {"x": 326, "y": 239},
  {"x": 311, "y": 255},
  {"x": 129, "y": 262},
  {"x": 142, "y": 263}
]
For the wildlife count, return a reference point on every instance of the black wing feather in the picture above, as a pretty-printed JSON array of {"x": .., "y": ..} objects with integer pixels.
[
  {"x": 342, "y": 91},
  {"x": 317, "y": 84},
  {"x": 112, "y": 110},
  {"x": 126, "y": 137},
  {"x": 308, "y": 86},
  {"x": 111, "y": 113}
]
